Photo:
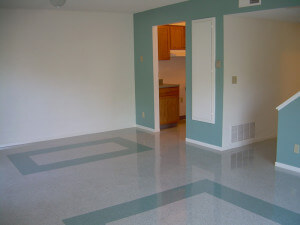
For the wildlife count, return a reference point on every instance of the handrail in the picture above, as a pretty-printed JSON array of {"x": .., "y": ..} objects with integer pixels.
[{"x": 291, "y": 99}]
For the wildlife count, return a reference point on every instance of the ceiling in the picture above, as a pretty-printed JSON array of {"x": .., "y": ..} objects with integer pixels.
[
  {"x": 126, "y": 6},
  {"x": 285, "y": 14}
]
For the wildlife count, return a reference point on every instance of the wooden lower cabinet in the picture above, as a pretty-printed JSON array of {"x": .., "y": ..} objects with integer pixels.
[{"x": 169, "y": 105}]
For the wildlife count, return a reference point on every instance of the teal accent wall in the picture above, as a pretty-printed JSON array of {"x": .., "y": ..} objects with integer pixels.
[
  {"x": 289, "y": 134},
  {"x": 186, "y": 11}
]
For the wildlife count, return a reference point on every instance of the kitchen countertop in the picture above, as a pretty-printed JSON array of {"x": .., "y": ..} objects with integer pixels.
[{"x": 168, "y": 85}]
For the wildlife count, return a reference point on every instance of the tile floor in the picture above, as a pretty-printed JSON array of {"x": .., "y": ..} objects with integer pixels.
[{"x": 133, "y": 177}]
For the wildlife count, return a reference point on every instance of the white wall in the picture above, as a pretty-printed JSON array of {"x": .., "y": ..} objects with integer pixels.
[
  {"x": 64, "y": 73},
  {"x": 265, "y": 56},
  {"x": 173, "y": 72}
]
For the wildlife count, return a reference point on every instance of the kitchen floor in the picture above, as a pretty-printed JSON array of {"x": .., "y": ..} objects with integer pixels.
[{"x": 130, "y": 176}]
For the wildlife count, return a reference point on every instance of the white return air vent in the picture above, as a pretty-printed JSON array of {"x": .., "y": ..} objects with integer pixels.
[
  {"x": 246, "y": 3},
  {"x": 242, "y": 132}
]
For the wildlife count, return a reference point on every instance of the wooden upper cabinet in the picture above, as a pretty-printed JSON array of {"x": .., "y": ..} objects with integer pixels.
[
  {"x": 177, "y": 34},
  {"x": 163, "y": 33},
  {"x": 170, "y": 37}
]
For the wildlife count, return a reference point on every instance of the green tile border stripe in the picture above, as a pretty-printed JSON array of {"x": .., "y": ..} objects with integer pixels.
[
  {"x": 242, "y": 200},
  {"x": 26, "y": 165}
]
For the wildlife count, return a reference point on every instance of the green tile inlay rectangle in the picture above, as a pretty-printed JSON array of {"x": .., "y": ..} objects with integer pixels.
[
  {"x": 26, "y": 165},
  {"x": 242, "y": 200}
]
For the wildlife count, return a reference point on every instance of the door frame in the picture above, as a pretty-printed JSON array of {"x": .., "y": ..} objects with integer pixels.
[{"x": 155, "y": 79}]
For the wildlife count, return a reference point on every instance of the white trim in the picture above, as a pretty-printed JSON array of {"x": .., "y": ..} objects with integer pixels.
[
  {"x": 235, "y": 145},
  {"x": 53, "y": 138},
  {"x": 155, "y": 79},
  {"x": 287, "y": 167},
  {"x": 202, "y": 144},
  {"x": 247, "y": 142},
  {"x": 291, "y": 99},
  {"x": 146, "y": 128}
]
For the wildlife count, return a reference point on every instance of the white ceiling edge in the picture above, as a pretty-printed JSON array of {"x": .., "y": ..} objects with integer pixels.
[
  {"x": 118, "y": 6},
  {"x": 291, "y": 14}
]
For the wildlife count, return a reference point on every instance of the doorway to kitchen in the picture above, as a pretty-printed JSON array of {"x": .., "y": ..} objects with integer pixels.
[{"x": 169, "y": 59}]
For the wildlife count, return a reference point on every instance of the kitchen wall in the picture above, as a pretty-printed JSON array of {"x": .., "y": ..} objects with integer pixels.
[
  {"x": 64, "y": 73},
  {"x": 173, "y": 72},
  {"x": 264, "y": 55}
]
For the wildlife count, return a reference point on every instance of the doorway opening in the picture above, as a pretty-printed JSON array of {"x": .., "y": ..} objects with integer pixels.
[{"x": 169, "y": 59}]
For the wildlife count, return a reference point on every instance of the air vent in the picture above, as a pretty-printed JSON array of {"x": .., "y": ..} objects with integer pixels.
[
  {"x": 242, "y": 132},
  {"x": 246, "y": 3}
]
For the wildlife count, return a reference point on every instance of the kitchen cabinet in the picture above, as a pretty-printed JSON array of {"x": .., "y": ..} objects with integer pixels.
[
  {"x": 163, "y": 33},
  {"x": 170, "y": 37},
  {"x": 169, "y": 104},
  {"x": 177, "y": 37}
]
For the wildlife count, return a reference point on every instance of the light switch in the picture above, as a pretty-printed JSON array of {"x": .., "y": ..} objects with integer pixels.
[
  {"x": 142, "y": 59},
  {"x": 296, "y": 149},
  {"x": 234, "y": 79}
]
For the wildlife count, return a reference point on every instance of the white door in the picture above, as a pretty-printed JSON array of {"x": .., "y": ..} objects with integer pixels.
[{"x": 203, "y": 70}]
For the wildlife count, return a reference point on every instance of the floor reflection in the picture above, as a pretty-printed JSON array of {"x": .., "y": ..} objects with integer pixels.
[{"x": 162, "y": 180}]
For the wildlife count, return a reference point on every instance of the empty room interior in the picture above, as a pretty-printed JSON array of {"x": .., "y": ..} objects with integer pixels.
[{"x": 138, "y": 112}]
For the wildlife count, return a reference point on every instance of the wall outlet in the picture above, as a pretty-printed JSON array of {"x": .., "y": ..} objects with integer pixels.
[
  {"x": 296, "y": 148},
  {"x": 143, "y": 114},
  {"x": 218, "y": 64}
]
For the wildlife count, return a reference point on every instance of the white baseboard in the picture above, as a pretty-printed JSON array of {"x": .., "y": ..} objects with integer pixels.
[
  {"x": 52, "y": 138},
  {"x": 146, "y": 128},
  {"x": 235, "y": 145},
  {"x": 246, "y": 142},
  {"x": 287, "y": 167},
  {"x": 202, "y": 144}
]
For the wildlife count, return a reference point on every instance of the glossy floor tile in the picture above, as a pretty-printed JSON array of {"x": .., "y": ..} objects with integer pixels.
[
  {"x": 130, "y": 176},
  {"x": 131, "y": 208}
]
